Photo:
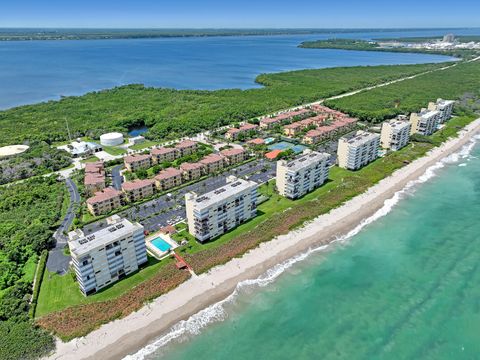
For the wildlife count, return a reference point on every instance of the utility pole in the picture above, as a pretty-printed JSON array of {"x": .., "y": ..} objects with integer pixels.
[{"x": 68, "y": 130}]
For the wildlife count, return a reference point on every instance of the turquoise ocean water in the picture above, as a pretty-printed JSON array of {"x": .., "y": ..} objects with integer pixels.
[{"x": 405, "y": 284}]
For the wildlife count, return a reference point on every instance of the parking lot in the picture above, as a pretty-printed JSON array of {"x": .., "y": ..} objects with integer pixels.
[{"x": 170, "y": 208}]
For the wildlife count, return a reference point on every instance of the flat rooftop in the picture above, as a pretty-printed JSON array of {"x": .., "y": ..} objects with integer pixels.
[
  {"x": 360, "y": 137},
  {"x": 307, "y": 160},
  {"x": 398, "y": 124},
  {"x": 233, "y": 187},
  {"x": 114, "y": 229}
]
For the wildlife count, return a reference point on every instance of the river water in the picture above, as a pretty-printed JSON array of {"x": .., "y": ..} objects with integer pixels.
[{"x": 34, "y": 71}]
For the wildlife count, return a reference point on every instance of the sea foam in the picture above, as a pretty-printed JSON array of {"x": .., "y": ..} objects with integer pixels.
[{"x": 217, "y": 312}]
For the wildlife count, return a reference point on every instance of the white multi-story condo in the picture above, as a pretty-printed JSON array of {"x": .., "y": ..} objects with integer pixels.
[
  {"x": 425, "y": 122},
  {"x": 444, "y": 107},
  {"x": 358, "y": 149},
  {"x": 298, "y": 177},
  {"x": 107, "y": 255},
  {"x": 218, "y": 211},
  {"x": 395, "y": 134}
]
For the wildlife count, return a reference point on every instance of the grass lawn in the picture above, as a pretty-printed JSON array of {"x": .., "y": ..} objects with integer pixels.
[
  {"x": 90, "y": 159},
  {"x": 114, "y": 150},
  {"x": 143, "y": 145},
  {"x": 59, "y": 292}
]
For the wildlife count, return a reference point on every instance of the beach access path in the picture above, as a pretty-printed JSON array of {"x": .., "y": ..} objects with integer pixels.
[{"x": 125, "y": 336}]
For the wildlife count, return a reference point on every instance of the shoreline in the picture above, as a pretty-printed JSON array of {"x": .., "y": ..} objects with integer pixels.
[{"x": 126, "y": 336}]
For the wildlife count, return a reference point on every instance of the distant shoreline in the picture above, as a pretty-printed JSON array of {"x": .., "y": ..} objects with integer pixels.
[
  {"x": 46, "y": 34},
  {"x": 125, "y": 336}
]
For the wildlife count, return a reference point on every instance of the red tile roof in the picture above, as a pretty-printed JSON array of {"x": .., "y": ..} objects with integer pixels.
[
  {"x": 232, "y": 152},
  {"x": 185, "y": 144},
  {"x": 94, "y": 178},
  {"x": 94, "y": 167},
  {"x": 272, "y": 155},
  {"x": 168, "y": 173},
  {"x": 162, "y": 150},
  {"x": 212, "y": 158},
  {"x": 257, "y": 141},
  {"x": 137, "y": 184},
  {"x": 136, "y": 157},
  {"x": 105, "y": 194},
  {"x": 190, "y": 166}
]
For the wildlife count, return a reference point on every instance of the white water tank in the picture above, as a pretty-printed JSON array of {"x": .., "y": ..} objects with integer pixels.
[{"x": 111, "y": 139}]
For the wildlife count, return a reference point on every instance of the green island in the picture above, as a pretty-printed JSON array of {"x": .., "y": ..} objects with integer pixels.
[{"x": 374, "y": 45}]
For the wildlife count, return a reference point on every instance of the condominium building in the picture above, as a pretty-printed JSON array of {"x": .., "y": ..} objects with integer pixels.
[
  {"x": 219, "y": 211},
  {"x": 234, "y": 156},
  {"x": 104, "y": 201},
  {"x": 298, "y": 177},
  {"x": 234, "y": 133},
  {"x": 444, "y": 107},
  {"x": 138, "y": 189},
  {"x": 137, "y": 162},
  {"x": 186, "y": 147},
  {"x": 425, "y": 122},
  {"x": 164, "y": 154},
  {"x": 94, "y": 177},
  {"x": 395, "y": 134},
  {"x": 107, "y": 255},
  {"x": 192, "y": 171},
  {"x": 168, "y": 178},
  {"x": 357, "y": 150},
  {"x": 212, "y": 163}
]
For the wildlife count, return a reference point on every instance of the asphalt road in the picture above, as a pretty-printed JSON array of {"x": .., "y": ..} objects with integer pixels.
[
  {"x": 117, "y": 179},
  {"x": 57, "y": 261},
  {"x": 170, "y": 208}
]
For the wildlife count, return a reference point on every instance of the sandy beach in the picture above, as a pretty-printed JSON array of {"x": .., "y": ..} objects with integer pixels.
[{"x": 125, "y": 336}]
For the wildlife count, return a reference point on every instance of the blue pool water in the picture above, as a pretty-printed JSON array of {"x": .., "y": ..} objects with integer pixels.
[
  {"x": 284, "y": 145},
  {"x": 161, "y": 244},
  {"x": 269, "y": 140}
]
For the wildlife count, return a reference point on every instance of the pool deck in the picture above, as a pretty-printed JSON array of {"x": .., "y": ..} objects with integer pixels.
[{"x": 156, "y": 252}]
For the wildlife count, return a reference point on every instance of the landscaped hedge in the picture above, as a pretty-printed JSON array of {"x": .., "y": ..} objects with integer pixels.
[{"x": 42, "y": 262}]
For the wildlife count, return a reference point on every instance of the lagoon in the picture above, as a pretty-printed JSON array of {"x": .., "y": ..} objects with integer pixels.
[{"x": 35, "y": 71}]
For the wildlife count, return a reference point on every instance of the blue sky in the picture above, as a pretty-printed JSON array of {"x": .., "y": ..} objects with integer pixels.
[{"x": 240, "y": 13}]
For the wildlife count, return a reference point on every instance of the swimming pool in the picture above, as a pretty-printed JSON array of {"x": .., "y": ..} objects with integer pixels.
[
  {"x": 161, "y": 244},
  {"x": 284, "y": 145},
  {"x": 269, "y": 140}
]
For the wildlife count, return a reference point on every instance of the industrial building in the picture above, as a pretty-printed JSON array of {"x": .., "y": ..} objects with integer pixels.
[
  {"x": 358, "y": 149},
  {"x": 216, "y": 212},
  {"x": 107, "y": 255},
  {"x": 298, "y": 177},
  {"x": 395, "y": 134}
]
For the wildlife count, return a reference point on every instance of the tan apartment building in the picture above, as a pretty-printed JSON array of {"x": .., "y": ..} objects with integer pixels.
[
  {"x": 234, "y": 156},
  {"x": 168, "y": 178},
  {"x": 358, "y": 149},
  {"x": 186, "y": 147},
  {"x": 395, "y": 134},
  {"x": 138, "y": 189},
  {"x": 212, "y": 163},
  {"x": 163, "y": 154},
  {"x": 424, "y": 123},
  {"x": 234, "y": 133},
  {"x": 138, "y": 161},
  {"x": 444, "y": 107},
  {"x": 302, "y": 175},
  {"x": 192, "y": 171},
  {"x": 104, "y": 201},
  {"x": 221, "y": 210},
  {"x": 94, "y": 177}
]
